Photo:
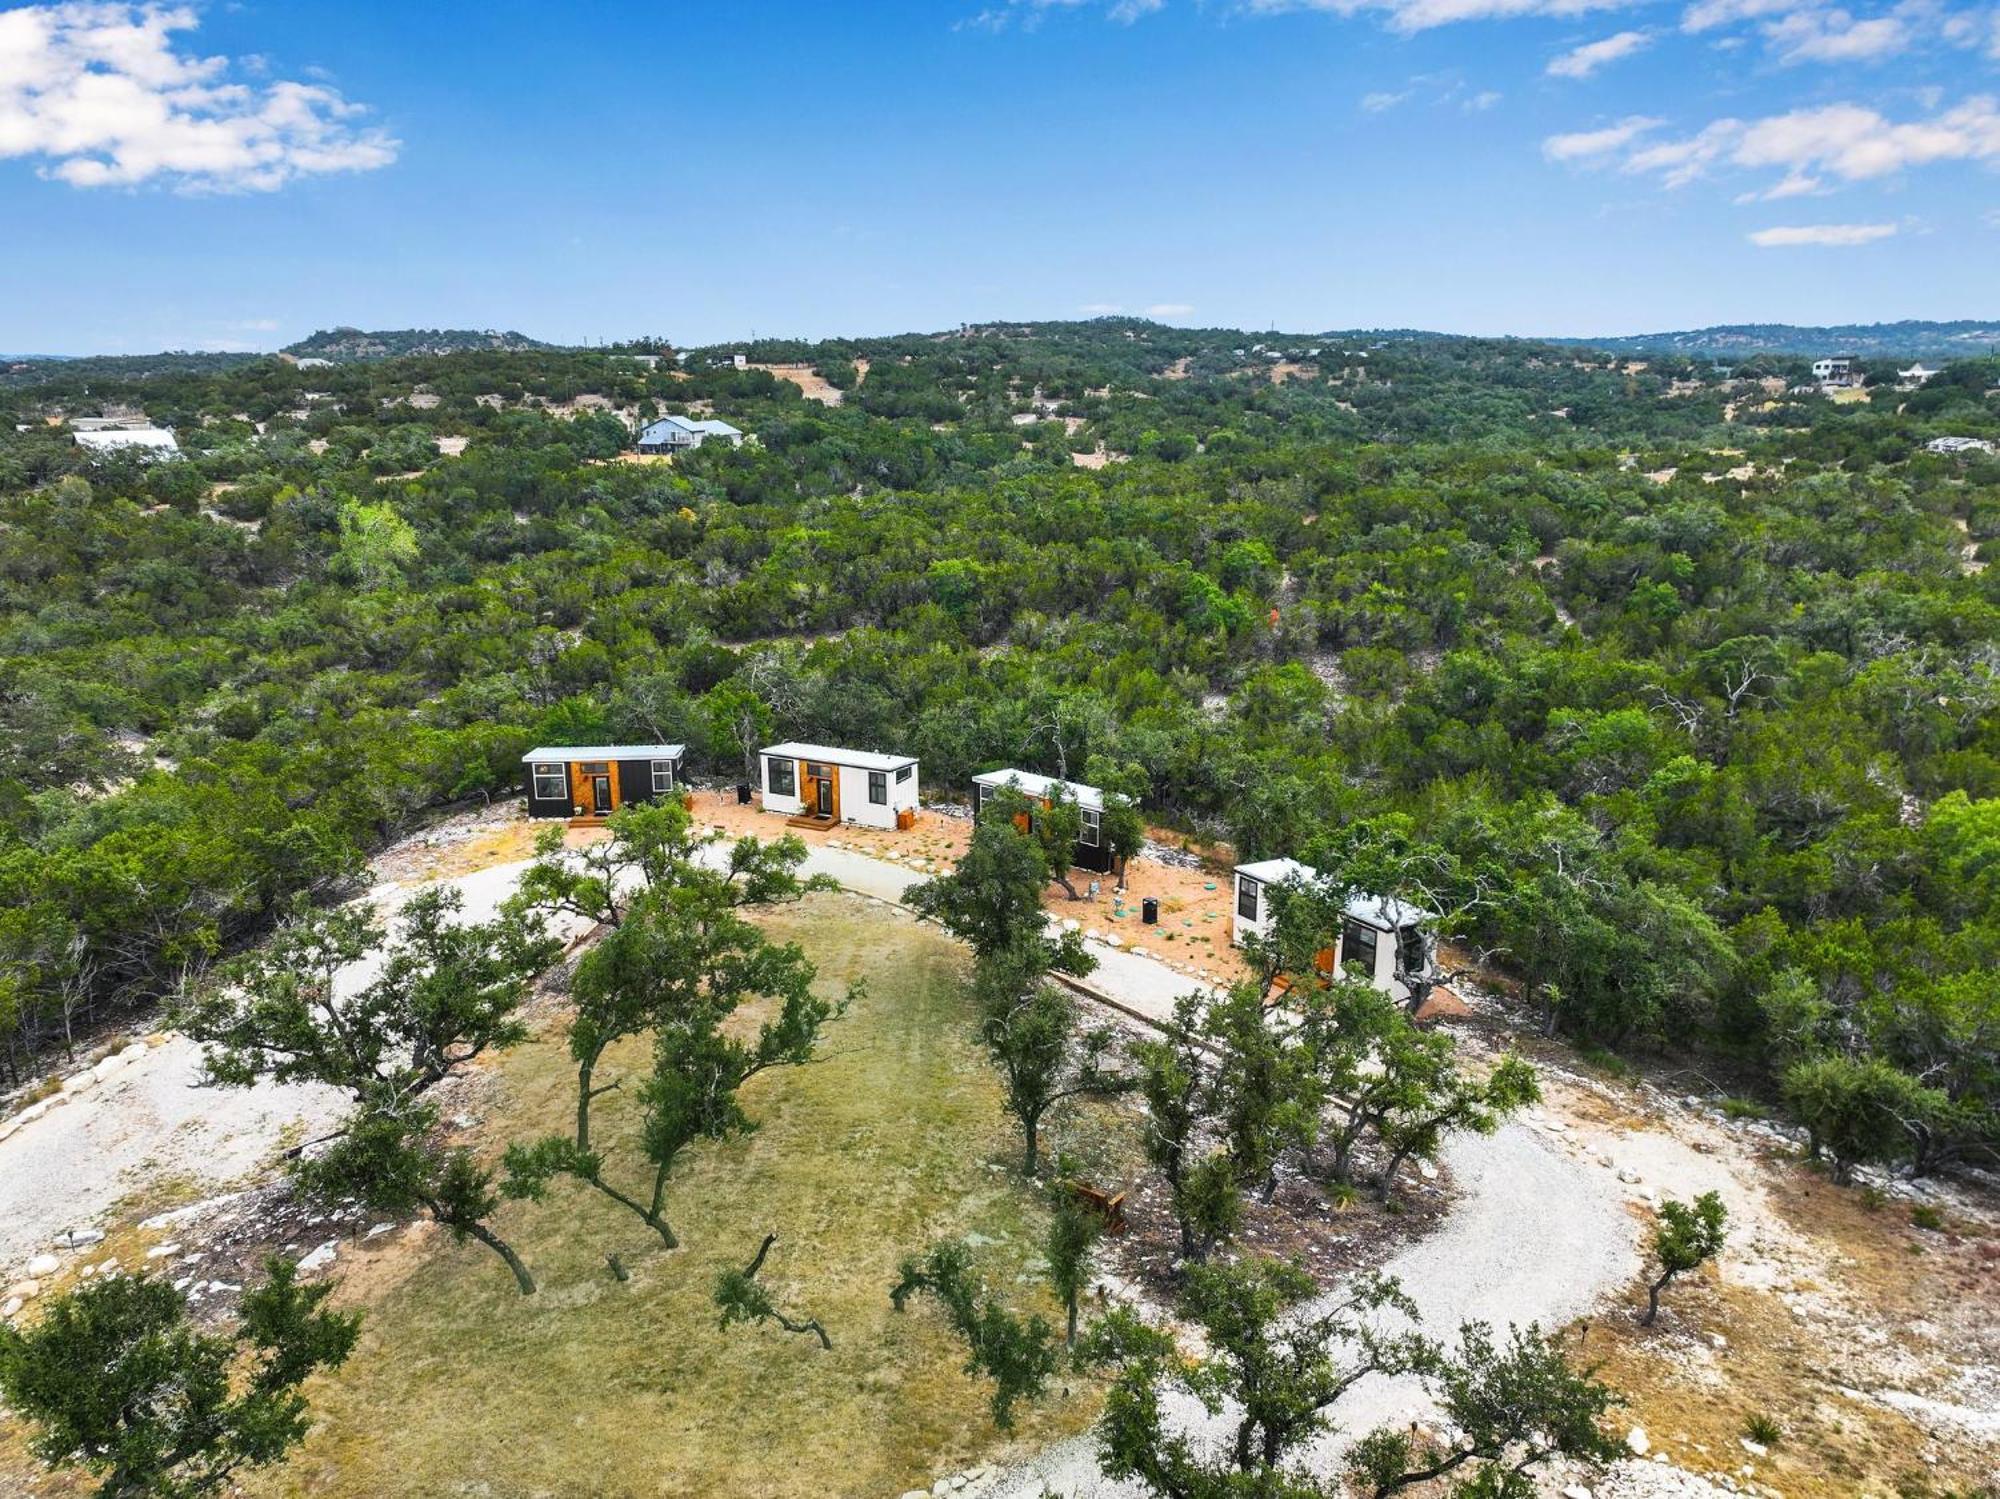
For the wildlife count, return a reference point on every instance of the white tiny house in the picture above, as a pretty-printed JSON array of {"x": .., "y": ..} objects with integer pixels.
[
  {"x": 1380, "y": 936},
  {"x": 820, "y": 783}
]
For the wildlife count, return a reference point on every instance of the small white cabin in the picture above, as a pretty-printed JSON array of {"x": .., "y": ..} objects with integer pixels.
[
  {"x": 1380, "y": 936},
  {"x": 1089, "y": 851},
  {"x": 828, "y": 785}
]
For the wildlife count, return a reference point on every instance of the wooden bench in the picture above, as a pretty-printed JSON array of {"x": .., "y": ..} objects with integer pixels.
[{"x": 1110, "y": 1206}]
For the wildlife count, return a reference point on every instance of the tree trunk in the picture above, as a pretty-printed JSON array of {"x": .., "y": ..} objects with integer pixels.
[
  {"x": 502, "y": 1248},
  {"x": 1653, "y": 1299},
  {"x": 1069, "y": 888},
  {"x": 1031, "y": 1136}
]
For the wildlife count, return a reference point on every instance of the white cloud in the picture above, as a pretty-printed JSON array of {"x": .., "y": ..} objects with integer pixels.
[
  {"x": 1377, "y": 102},
  {"x": 1836, "y": 36},
  {"x": 1100, "y": 309},
  {"x": 1028, "y": 14},
  {"x": 1844, "y": 141},
  {"x": 1481, "y": 102},
  {"x": 1170, "y": 311},
  {"x": 1581, "y": 62},
  {"x": 1585, "y": 145},
  {"x": 101, "y": 96},
  {"x": 1422, "y": 15},
  {"x": 1820, "y": 234}
]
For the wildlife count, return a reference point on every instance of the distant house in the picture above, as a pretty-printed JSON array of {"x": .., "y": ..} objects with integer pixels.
[
  {"x": 823, "y": 785},
  {"x": 678, "y": 434},
  {"x": 1089, "y": 851},
  {"x": 1959, "y": 445},
  {"x": 1915, "y": 375},
  {"x": 1382, "y": 939},
  {"x": 594, "y": 780},
  {"x": 114, "y": 435},
  {"x": 1837, "y": 371}
]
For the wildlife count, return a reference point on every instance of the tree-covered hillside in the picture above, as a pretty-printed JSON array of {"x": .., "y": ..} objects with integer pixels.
[
  {"x": 1676, "y": 691},
  {"x": 389, "y": 343}
]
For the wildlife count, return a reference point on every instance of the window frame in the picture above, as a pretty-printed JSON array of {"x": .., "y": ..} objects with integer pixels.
[
  {"x": 668, "y": 767},
  {"x": 773, "y": 765},
  {"x": 1254, "y": 888},
  {"x": 878, "y": 788},
  {"x": 543, "y": 768},
  {"x": 904, "y": 772},
  {"x": 1353, "y": 933},
  {"x": 1091, "y": 835}
]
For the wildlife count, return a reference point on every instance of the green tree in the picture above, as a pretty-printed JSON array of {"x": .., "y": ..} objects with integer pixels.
[
  {"x": 741, "y": 1298},
  {"x": 376, "y": 544},
  {"x": 115, "y": 1378},
  {"x": 1856, "y": 1110},
  {"x": 1685, "y": 1237},
  {"x": 1017, "y": 1355},
  {"x": 1070, "y": 1248}
]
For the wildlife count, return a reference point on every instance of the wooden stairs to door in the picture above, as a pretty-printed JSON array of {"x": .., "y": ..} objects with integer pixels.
[{"x": 808, "y": 820}]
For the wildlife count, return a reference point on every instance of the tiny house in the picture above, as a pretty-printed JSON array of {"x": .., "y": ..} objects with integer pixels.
[
  {"x": 1380, "y": 936},
  {"x": 1089, "y": 851},
  {"x": 821, "y": 785},
  {"x": 594, "y": 780}
]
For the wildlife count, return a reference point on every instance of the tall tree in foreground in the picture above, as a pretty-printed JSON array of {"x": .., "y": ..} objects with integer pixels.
[
  {"x": 446, "y": 992},
  {"x": 992, "y": 899},
  {"x": 1275, "y": 1369},
  {"x": 1070, "y": 1248},
  {"x": 115, "y": 1379},
  {"x": 1685, "y": 1237},
  {"x": 1046, "y": 1056},
  {"x": 1176, "y": 1077}
]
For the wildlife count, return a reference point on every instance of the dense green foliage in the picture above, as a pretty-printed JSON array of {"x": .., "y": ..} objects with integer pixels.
[
  {"x": 1706, "y": 756},
  {"x": 115, "y": 1378}
]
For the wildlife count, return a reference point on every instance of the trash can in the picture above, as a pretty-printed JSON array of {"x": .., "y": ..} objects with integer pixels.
[
  {"x": 1149, "y": 911},
  {"x": 743, "y": 793}
]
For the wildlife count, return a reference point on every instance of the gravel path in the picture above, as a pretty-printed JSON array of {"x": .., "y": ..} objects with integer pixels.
[
  {"x": 147, "y": 1123},
  {"x": 1536, "y": 1236}
]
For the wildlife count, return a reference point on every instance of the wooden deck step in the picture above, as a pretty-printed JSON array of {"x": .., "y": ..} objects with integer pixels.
[{"x": 807, "y": 820}]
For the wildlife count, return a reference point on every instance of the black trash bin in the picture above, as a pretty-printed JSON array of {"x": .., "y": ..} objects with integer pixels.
[
  {"x": 1149, "y": 911},
  {"x": 743, "y": 794}
]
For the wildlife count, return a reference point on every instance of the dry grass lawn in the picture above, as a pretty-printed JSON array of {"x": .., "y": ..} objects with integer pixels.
[{"x": 894, "y": 1138}]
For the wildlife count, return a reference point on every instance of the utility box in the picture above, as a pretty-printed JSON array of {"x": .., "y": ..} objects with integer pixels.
[{"x": 1149, "y": 911}]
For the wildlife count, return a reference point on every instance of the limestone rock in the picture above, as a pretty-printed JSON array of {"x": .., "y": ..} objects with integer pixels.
[{"x": 1637, "y": 1442}]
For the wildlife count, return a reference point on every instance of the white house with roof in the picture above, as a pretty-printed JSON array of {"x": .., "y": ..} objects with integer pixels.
[
  {"x": 679, "y": 434},
  {"x": 825, "y": 785},
  {"x": 1089, "y": 851},
  {"x": 1949, "y": 445},
  {"x": 1915, "y": 375},
  {"x": 100, "y": 437},
  {"x": 1380, "y": 936},
  {"x": 1835, "y": 371}
]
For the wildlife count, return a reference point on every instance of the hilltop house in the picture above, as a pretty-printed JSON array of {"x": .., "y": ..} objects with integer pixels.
[
  {"x": 1381, "y": 938},
  {"x": 1837, "y": 371},
  {"x": 679, "y": 434},
  {"x": 1915, "y": 375},
  {"x": 1089, "y": 851},
  {"x": 1958, "y": 445},
  {"x": 118, "y": 434},
  {"x": 821, "y": 785},
  {"x": 594, "y": 780}
]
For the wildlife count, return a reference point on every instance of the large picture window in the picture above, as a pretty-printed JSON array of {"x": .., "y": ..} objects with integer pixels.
[
  {"x": 781, "y": 777},
  {"x": 878, "y": 788},
  {"x": 663, "y": 777},
  {"x": 551, "y": 783},
  {"x": 1246, "y": 899}
]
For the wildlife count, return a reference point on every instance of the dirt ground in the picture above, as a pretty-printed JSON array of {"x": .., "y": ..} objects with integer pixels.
[
  {"x": 1195, "y": 904},
  {"x": 809, "y": 381}
]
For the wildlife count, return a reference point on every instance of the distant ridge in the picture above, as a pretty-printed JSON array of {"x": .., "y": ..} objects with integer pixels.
[
  {"x": 1963, "y": 339},
  {"x": 345, "y": 344}
]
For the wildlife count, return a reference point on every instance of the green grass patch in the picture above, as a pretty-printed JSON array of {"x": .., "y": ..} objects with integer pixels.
[{"x": 893, "y": 1139}]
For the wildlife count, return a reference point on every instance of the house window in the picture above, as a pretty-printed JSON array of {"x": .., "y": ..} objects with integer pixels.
[
  {"x": 878, "y": 788},
  {"x": 782, "y": 777},
  {"x": 818, "y": 772},
  {"x": 1357, "y": 949},
  {"x": 663, "y": 777},
  {"x": 904, "y": 772},
  {"x": 985, "y": 795},
  {"x": 1091, "y": 830},
  {"x": 1246, "y": 898},
  {"x": 551, "y": 784}
]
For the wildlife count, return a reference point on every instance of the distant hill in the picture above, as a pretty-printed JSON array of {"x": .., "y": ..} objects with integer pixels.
[
  {"x": 1906, "y": 340},
  {"x": 344, "y": 344}
]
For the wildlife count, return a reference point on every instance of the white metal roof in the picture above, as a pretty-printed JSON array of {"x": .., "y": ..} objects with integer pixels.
[
  {"x": 1038, "y": 787},
  {"x": 113, "y": 439},
  {"x": 1274, "y": 871},
  {"x": 853, "y": 759},
  {"x": 1383, "y": 912},
  {"x": 550, "y": 752}
]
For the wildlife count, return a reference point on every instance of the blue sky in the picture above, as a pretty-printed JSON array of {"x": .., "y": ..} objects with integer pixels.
[{"x": 237, "y": 175}]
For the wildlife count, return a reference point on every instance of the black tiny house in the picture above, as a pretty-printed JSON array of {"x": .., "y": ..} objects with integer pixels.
[
  {"x": 594, "y": 780},
  {"x": 1090, "y": 850}
]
